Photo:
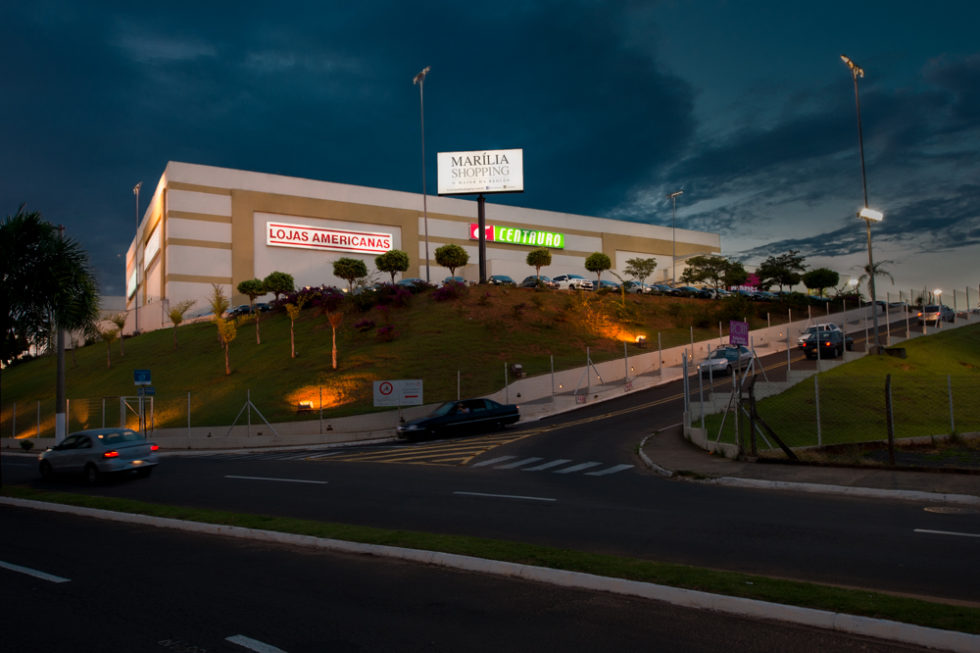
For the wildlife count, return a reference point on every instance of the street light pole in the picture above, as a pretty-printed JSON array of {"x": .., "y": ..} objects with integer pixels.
[
  {"x": 673, "y": 236},
  {"x": 420, "y": 80},
  {"x": 867, "y": 214},
  {"x": 136, "y": 263}
]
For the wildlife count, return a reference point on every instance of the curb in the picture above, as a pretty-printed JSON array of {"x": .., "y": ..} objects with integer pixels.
[
  {"x": 834, "y": 621},
  {"x": 846, "y": 490}
]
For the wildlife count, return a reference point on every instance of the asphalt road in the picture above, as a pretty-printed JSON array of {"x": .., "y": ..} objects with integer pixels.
[
  {"x": 75, "y": 585},
  {"x": 490, "y": 486}
]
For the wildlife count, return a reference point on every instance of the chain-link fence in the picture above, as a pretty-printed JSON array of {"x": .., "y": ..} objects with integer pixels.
[{"x": 828, "y": 410}]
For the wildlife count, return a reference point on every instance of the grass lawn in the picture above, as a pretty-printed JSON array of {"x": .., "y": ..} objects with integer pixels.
[
  {"x": 852, "y": 397},
  {"x": 474, "y": 335}
]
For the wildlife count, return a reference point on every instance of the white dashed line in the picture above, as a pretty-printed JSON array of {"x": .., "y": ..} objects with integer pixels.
[
  {"x": 280, "y": 480},
  {"x": 34, "y": 572},
  {"x": 253, "y": 644},
  {"x": 503, "y": 496}
]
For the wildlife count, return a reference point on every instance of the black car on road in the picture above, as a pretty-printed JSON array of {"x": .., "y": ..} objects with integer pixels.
[
  {"x": 831, "y": 344},
  {"x": 461, "y": 418}
]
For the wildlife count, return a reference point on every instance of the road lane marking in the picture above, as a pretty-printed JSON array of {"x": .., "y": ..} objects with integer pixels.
[
  {"x": 519, "y": 463},
  {"x": 577, "y": 468},
  {"x": 33, "y": 572},
  {"x": 610, "y": 470},
  {"x": 932, "y": 532},
  {"x": 484, "y": 463},
  {"x": 280, "y": 480},
  {"x": 548, "y": 465},
  {"x": 253, "y": 644},
  {"x": 503, "y": 496}
]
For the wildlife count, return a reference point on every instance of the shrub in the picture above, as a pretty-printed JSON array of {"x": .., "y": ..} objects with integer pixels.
[
  {"x": 449, "y": 291},
  {"x": 364, "y": 325},
  {"x": 387, "y": 333}
]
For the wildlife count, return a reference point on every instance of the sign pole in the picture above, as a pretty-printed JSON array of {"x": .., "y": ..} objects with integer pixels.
[{"x": 481, "y": 203}]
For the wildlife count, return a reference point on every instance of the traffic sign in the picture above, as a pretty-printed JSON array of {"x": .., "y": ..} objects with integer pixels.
[
  {"x": 141, "y": 377},
  {"x": 404, "y": 392},
  {"x": 738, "y": 333}
]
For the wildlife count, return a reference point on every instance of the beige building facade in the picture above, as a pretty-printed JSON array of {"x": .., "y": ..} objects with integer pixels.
[{"x": 207, "y": 225}]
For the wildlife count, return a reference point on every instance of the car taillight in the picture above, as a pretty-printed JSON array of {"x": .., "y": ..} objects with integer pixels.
[
  {"x": 111, "y": 454},
  {"x": 154, "y": 446},
  {"x": 828, "y": 343}
]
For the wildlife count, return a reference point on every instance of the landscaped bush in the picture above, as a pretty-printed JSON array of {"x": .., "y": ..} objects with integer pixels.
[
  {"x": 449, "y": 291},
  {"x": 364, "y": 325},
  {"x": 387, "y": 333}
]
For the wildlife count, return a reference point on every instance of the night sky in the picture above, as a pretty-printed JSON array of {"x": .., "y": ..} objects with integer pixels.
[{"x": 746, "y": 106}]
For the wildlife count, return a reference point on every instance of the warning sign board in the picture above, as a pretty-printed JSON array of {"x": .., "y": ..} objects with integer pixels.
[{"x": 403, "y": 392}]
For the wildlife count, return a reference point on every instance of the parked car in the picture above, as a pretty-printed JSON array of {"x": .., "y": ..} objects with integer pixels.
[
  {"x": 241, "y": 309},
  {"x": 806, "y": 333},
  {"x": 461, "y": 418},
  {"x": 663, "y": 289},
  {"x": 605, "y": 284},
  {"x": 831, "y": 344},
  {"x": 263, "y": 307},
  {"x": 572, "y": 282},
  {"x": 448, "y": 280},
  {"x": 96, "y": 453},
  {"x": 726, "y": 359},
  {"x": 533, "y": 281},
  {"x": 933, "y": 313},
  {"x": 500, "y": 280},
  {"x": 638, "y": 288},
  {"x": 688, "y": 291}
]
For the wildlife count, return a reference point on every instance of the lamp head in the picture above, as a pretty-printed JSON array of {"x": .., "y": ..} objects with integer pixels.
[
  {"x": 871, "y": 214},
  {"x": 136, "y": 188},
  {"x": 671, "y": 196},
  {"x": 420, "y": 77},
  {"x": 856, "y": 70}
]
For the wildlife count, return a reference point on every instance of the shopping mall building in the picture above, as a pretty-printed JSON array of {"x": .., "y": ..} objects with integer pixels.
[{"x": 206, "y": 225}]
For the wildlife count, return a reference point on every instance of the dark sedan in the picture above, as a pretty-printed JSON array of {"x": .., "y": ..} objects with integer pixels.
[
  {"x": 460, "y": 418},
  {"x": 831, "y": 344}
]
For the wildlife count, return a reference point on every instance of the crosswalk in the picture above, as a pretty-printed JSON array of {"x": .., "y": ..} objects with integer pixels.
[
  {"x": 556, "y": 466},
  {"x": 457, "y": 454}
]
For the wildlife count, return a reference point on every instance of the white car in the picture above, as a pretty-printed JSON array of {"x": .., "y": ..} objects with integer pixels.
[
  {"x": 809, "y": 331},
  {"x": 725, "y": 359},
  {"x": 571, "y": 282}
]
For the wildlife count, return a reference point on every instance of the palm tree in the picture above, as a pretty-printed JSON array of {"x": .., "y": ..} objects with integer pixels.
[
  {"x": 877, "y": 271},
  {"x": 45, "y": 281},
  {"x": 177, "y": 315}
]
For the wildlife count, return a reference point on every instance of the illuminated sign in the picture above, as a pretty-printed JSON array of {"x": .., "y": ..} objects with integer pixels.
[
  {"x": 480, "y": 171},
  {"x": 517, "y": 236},
  {"x": 279, "y": 234}
]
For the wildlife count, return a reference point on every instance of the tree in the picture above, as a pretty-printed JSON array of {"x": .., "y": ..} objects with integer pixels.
[
  {"x": 735, "y": 275},
  {"x": 45, "y": 280},
  {"x": 279, "y": 283},
  {"x": 713, "y": 269},
  {"x": 598, "y": 262},
  {"x": 538, "y": 258},
  {"x": 877, "y": 271},
  {"x": 393, "y": 261},
  {"x": 176, "y": 315},
  {"x": 227, "y": 331},
  {"x": 108, "y": 335},
  {"x": 335, "y": 320},
  {"x": 640, "y": 268},
  {"x": 349, "y": 269},
  {"x": 783, "y": 270},
  {"x": 452, "y": 257},
  {"x": 293, "y": 311},
  {"x": 119, "y": 319},
  {"x": 253, "y": 288},
  {"x": 820, "y": 279}
]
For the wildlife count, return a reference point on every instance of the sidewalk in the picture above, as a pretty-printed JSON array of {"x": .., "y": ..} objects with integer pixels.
[{"x": 668, "y": 453}]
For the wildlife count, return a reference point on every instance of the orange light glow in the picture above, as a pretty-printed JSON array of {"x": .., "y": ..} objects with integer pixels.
[{"x": 314, "y": 397}]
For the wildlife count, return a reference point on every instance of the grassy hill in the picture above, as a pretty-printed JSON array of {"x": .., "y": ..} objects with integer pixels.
[{"x": 475, "y": 335}]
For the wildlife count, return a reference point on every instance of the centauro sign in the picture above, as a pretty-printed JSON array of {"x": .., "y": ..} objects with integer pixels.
[
  {"x": 279, "y": 234},
  {"x": 516, "y": 236}
]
